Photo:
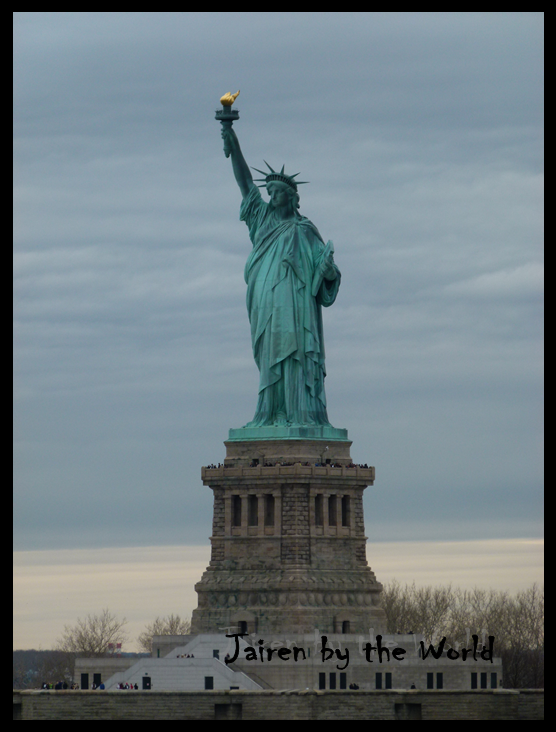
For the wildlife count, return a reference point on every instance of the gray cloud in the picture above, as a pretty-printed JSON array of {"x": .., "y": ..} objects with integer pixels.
[{"x": 421, "y": 134}]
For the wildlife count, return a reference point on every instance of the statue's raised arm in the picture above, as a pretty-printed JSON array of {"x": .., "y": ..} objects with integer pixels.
[
  {"x": 241, "y": 170},
  {"x": 227, "y": 116}
]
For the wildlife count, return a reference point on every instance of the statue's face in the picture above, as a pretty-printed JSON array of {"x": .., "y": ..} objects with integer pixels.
[{"x": 278, "y": 193}]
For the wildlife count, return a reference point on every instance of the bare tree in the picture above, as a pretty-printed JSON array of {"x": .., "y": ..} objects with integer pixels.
[
  {"x": 414, "y": 609},
  {"x": 432, "y": 606},
  {"x": 516, "y": 622},
  {"x": 170, "y": 625},
  {"x": 91, "y": 637},
  {"x": 522, "y": 647},
  {"x": 477, "y": 611},
  {"x": 396, "y": 601}
]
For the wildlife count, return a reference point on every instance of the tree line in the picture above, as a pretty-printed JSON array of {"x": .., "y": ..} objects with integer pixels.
[
  {"x": 92, "y": 637},
  {"x": 515, "y": 620}
]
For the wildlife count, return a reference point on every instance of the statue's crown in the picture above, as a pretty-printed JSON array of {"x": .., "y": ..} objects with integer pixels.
[{"x": 280, "y": 177}]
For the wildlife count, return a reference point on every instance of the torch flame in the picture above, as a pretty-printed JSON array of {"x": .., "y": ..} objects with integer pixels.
[{"x": 228, "y": 99}]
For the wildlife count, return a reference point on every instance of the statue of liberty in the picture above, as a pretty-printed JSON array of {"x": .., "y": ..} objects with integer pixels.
[{"x": 290, "y": 275}]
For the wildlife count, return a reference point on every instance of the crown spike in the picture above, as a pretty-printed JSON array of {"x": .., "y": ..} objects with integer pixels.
[{"x": 281, "y": 177}]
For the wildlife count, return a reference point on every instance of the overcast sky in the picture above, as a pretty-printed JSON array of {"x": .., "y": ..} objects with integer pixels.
[{"x": 421, "y": 136}]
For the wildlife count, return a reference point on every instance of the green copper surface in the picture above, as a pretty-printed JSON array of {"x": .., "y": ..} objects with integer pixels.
[
  {"x": 310, "y": 432},
  {"x": 290, "y": 275}
]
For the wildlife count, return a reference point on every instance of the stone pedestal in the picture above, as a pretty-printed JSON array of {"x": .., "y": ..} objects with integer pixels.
[{"x": 288, "y": 542}]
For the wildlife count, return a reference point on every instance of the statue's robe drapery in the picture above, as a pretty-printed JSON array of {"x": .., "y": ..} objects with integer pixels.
[{"x": 285, "y": 296}]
